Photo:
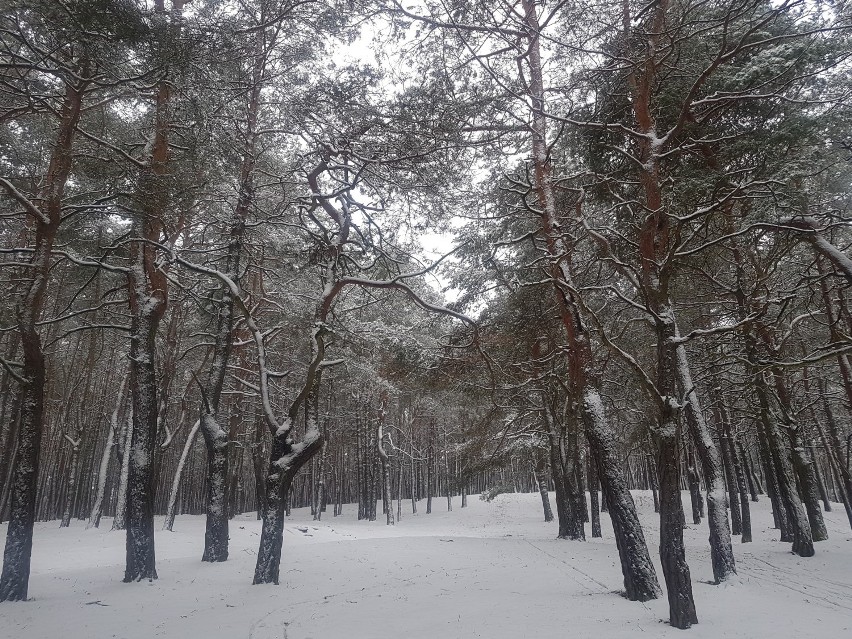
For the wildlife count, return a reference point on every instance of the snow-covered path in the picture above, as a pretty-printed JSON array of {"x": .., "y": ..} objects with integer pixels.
[{"x": 491, "y": 570}]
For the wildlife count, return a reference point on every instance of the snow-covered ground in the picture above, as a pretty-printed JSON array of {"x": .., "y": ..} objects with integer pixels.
[{"x": 491, "y": 570}]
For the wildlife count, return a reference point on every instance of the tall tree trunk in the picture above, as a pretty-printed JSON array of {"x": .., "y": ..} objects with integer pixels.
[
  {"x": 672, "y": 552},
  {"x": 286, "y": 456},
  {"x": 739, "y": 478},
  {"x": 728, "y": 457},
  {"x": 148, "y": 292},
  {"x": 721, "y": 552},
  {"x": 802, "y": 465},
  {"x": 171, "y": 509},
  {"x": 72, "y": 479},
  {"x": 14, "y": 579},
  {"x": 113, "y": 431},
  {"x": 783, "y": 475},
  {"x": 748, "y": 470},
  {"x": 640, "y": 579},
  {"x": 383, "y": 456}
]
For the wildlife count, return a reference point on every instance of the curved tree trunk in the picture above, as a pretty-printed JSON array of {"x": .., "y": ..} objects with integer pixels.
[{"x": 285, "y": 460}]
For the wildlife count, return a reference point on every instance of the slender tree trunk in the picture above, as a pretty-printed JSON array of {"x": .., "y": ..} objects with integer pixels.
[
  {"x": 695, "y": 496},
  {"x": 802, "y": 466},
  {"x": 541, "y": 481},
  {"x": 750, "y": 477},
  {"x": 119, "y": 522},
  {"x": 319, "y": 497},
  {"x": 72, "y": 479},
  {"x": 429, "y": 481},
  {"x": 739, "y": 478},
  {"x": 640, "y": 579},
  {"x": 171, "y": 509},
  {"x": 113, "y": 430},
  {"x": 593, "y": 496},
  {"x": 652, "y": 481},
  {"x": 728, "y": 457},
  {"x": 383, "y": 456}
]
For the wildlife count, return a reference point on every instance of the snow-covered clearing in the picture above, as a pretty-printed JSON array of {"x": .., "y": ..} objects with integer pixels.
[{"x": 491, "y": 570}]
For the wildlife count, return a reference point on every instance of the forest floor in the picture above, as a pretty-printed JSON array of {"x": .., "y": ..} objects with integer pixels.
[{"x": 491, "y": 570}]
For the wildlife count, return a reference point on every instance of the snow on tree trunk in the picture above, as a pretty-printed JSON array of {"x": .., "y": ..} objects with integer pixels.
[
  {"x": 171, "y": 510},
  {"x": 72, "y": 481},
  {"x": 103, "y": 469},
  {"x": 593, "y": 496},
  {"x": 721, "y": 552},
  {"x": 216, "y": 525},
  {"x": 141, "y": 560},
  {"x": 14, "y": 581},
  {"x": 694, "y": 491},
  {"x": 568, "y": 525},
  {"x": 285, "y": 460},
  {"x": 733, "y": 494},
  {"x": 17, "y": 553},
  {"x": 672, "y": 552},
  {"x": 783, "y": 475},
  {"x": 119, "y": 522},
  {"x": 739, "y": 478},
  {"x": 541, "y": 481},
  {"x": 748, "y": 471},
  {"x": 319, "y": 496},
  {"x": 805, "y": 471},
  {"x": 640, "y": 578},
  {"x": 667, "y": 433},
  {"x": 383, "y": 455}
]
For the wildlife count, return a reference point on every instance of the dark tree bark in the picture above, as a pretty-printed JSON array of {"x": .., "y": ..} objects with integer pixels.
[
  {"x": 739, "y": 478},
  {"x": 672, "y": 552},
  {"x": 802, "y": 466},
  {"x": 32, "y": 380},
  {"x": 383, "y": 455},
  {"x": 783, "y": 478},
  {"x": 541, "y": 482},
  {"x": 640, "y": 579},
  {"x": 696, "y": 499},
  {"x": 148, "y": 292},
  {"x": 286, "y": 456},
  {"x": 593, "y": 496},
  {"x": 751, "y": 479}
]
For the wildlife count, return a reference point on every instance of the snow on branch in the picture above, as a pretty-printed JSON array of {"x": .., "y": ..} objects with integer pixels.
[{"x": 24, "y": 201}]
